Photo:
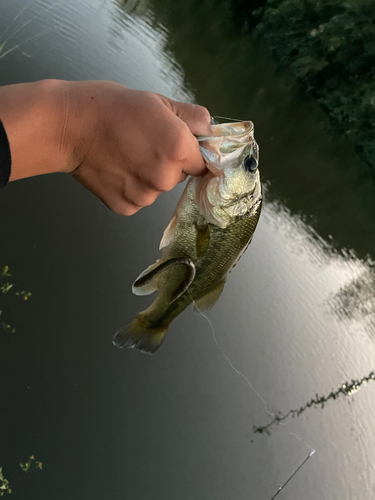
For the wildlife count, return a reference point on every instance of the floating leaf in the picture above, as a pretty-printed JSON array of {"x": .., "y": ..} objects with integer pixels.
[
  {"x": 5, "y": 271},
  {"x": 24, "y": 295},
  {"x": 6, "y": 287},
  {"x": 25, "y": 467},
  {"x": 4, "y": 484}
]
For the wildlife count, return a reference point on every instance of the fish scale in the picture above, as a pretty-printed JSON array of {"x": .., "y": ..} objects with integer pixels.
[{"x": 210, "y": 270}]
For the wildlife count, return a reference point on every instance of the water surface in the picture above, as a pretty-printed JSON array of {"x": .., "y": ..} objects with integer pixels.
[{"x": 296, "y": 317}]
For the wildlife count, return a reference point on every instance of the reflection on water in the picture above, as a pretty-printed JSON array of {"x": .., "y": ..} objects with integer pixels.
[
  {"x": 347, "y": 284},
  {"x": 346, "y": 389},
  {"x": 20, "y": 33},
  {"x": 135, "y": 18},
  {"x": 356, "y": 300}
]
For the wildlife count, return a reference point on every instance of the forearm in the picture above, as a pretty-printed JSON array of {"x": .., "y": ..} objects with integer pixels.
[
  {"x": 33, "y": 117},
  {"x": 126, "y": 146}
]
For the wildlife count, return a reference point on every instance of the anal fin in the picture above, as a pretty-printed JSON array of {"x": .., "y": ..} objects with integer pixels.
[{"x": 206, "y": 301}]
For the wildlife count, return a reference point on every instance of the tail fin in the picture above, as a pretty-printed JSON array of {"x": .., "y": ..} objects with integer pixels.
[{"x": 138, "y": 334}]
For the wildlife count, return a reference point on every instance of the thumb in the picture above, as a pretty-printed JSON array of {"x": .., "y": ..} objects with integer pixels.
[{"x": 196, "y": 117}]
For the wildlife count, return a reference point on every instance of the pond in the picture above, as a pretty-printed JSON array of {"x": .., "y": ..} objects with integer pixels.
[{"x": 295, "y": 322}]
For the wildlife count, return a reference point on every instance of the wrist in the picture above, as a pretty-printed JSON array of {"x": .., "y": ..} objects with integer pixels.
[{"x": 34, "y": 118}]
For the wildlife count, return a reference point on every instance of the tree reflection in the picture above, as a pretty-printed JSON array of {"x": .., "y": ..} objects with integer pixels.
[{"x": 346, "y": 389}]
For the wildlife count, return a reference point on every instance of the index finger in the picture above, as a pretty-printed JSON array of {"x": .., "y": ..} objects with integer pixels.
[
  {"x": 196, "y": 117},
  {"x": 194, "y": 164}
]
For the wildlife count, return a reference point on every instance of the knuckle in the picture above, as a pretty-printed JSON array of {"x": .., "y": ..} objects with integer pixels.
[
  {"x": 145, "y": 198},
  {"x": 125, "y": 209},
  {"x": 202, "y": 114},
  {"x": 165, "y": 182},
  {"x": 179, "y": 144},
  {"x": 149, "y": 199}
]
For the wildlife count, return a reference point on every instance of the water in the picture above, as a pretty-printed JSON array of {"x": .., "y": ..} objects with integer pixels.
[{"x": 296, "y": 318}]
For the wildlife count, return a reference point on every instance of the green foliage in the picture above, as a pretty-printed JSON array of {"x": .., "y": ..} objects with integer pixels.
[
  {"x": 329, "y": 46},
  {"x": 5, "y": 271},
  {"x": 5, "y": 288},
  {"x": 4, "y": 484},
  {"x": 28, "y": 467}
]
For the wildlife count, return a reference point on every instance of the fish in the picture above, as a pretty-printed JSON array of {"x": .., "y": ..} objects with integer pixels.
[{"x": 211, "y": 227}]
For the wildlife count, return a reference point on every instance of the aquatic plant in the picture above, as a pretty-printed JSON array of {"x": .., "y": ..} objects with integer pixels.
[
  {"x": 31, "y": 462},
  {"x": 5, "y": 288},
  {"x": 4, "y": 484},
  {"x": 28, "y": 467}
]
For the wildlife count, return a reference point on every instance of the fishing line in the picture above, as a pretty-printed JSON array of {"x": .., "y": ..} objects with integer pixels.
[
  {"x": 231, "y": 364},
  {"x": 245, "y": 378},
  {"x": 213, "y": 119},
  {"x": 312, "y": 451}
]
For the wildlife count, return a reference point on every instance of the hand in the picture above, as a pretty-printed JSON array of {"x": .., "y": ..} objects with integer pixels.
[
  {"x": 125, "y": 146},
  {"x": 135, "y": 145}
]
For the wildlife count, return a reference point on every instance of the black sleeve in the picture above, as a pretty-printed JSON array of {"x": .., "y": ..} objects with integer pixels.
[{"x": 5, "y": 158}]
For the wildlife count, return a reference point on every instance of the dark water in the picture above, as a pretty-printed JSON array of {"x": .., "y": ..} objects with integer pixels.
[{"x": 297, "y": 317}]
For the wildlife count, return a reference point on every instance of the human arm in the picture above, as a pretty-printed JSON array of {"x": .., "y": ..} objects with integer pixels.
[{"x": 124, "y": 145}]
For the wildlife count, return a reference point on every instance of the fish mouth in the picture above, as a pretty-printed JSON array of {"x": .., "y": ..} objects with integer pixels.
[{"x": 238, "y": 131}]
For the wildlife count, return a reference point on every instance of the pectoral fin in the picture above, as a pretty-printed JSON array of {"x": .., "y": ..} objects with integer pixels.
[
  {"x": 142, "y": 286},
  {"x": 147, "y": 282},
  {"x": 169, "y": 232},
  {"x": 207, "y": 301}
]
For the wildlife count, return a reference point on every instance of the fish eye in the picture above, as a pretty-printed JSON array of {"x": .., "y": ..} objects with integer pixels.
[{"x": 250, "y": 163}]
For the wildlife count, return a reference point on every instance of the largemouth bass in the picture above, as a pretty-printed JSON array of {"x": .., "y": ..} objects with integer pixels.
[{"x": 212, "y": 226}]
